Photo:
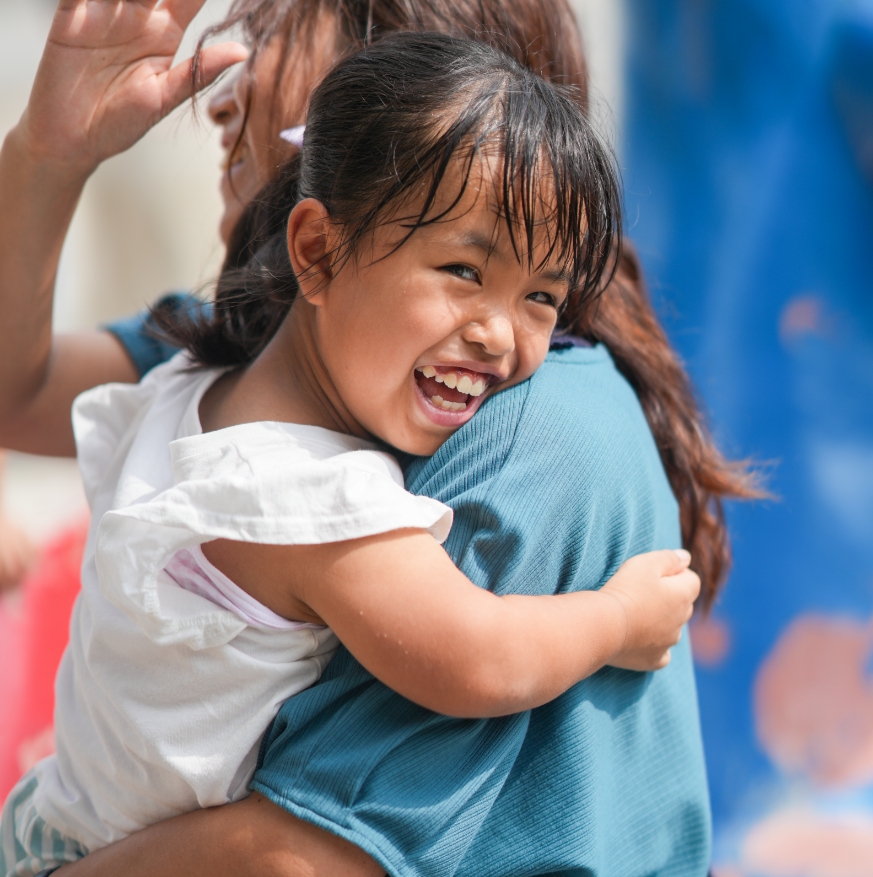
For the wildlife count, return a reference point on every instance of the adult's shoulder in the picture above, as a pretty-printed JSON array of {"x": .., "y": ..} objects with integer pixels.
[
  {"x": 580, "y": 407},
  {"x": 140, "y": 336},
  {"x": 553, "y": 482}
]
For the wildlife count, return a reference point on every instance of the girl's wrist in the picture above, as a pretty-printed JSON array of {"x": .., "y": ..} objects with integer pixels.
[{"x": 620, "y": 622}]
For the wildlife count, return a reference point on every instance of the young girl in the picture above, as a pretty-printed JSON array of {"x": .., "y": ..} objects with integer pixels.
[{"x": 447, "y": 203}]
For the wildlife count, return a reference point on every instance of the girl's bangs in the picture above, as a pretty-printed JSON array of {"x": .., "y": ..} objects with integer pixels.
[{"x": 552, "y": 185}]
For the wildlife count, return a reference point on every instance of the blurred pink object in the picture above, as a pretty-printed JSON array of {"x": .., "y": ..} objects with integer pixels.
[
  {"x": 34, "y": 629},
  {"x": 710, "y": 641},
  {"x": 798, "y": 843},
  {"x": 814, "y": 701}
]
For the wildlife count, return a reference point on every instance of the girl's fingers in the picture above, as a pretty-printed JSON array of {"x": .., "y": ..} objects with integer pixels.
[
  {"x": 683, "y": 555},
  {"x": 692, "y": 581},
  {"x": 214, "y": 60}
]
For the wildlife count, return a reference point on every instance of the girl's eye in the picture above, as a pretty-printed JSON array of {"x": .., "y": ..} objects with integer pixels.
[
  {"x": 543, "y": 298},
  {"x": 465, "y": 272}
]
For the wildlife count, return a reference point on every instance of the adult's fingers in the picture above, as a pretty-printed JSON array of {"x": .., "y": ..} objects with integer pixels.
[
  {"x": 183, "y": 11},
  {"x": 67, "y": 5},
  {"x": 214, "y": 60}
]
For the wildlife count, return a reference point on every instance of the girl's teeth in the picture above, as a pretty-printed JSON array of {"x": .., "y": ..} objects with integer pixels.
[
  {"x": 446, "y": 405},
  {"x": 464, "y": 384}
]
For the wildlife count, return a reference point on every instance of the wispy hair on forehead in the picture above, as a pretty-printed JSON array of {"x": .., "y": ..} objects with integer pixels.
[{"x": 430, "y": 101}]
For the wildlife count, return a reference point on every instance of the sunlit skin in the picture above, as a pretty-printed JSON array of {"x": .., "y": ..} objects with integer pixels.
[{"x": 453, "y": 297}]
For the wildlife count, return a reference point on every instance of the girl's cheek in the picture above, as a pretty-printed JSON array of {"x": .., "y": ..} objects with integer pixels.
[{"x": 533, "y": 352}]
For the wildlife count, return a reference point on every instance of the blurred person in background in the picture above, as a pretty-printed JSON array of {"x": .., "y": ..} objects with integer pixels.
[
  {"x": 51, "y": 371},
  {"x": 750, "y": 172},
  {"x": 17, "y": 551}
]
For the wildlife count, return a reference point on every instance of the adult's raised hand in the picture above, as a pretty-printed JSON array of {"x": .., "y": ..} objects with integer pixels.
[{"x": 107, "y": 76}]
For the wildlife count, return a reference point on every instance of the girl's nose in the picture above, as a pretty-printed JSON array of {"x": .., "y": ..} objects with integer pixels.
[
  {"x": 494, "y": 333},
  {"x": 225, "y": 112}
]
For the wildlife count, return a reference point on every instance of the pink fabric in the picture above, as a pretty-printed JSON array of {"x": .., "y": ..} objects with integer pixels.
[
  {"x": 190, "y": 570},
  {"x": 34, "y": 629}
]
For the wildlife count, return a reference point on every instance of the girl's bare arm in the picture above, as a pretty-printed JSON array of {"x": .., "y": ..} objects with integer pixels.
[
  {"x": 105, "y": 78},
  {"x": 253, "y": 837},
  {"x": 405, "y": 611},
  {"x": 440, "y": 641}
]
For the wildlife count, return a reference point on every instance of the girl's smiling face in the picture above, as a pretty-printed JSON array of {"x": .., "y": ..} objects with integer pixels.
[
  {"x": 412, "y": 340},
  {"x": 446, "y": 202}
]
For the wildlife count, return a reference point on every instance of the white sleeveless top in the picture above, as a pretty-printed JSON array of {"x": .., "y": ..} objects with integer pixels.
[{"x": 163, "y": 695}]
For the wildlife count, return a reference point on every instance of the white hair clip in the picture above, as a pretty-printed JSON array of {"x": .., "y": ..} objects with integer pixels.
[{"x": 294, "y": 136}]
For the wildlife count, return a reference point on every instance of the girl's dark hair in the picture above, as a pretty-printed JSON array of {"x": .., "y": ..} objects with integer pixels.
[
  {"x": 543, "y": 36},
  {"x": 385, "y": 130}
]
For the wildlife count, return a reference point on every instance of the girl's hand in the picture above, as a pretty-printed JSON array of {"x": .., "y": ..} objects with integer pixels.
[
  {"x": 657, "y": 592},
  {"x": 106, "y": 77}
]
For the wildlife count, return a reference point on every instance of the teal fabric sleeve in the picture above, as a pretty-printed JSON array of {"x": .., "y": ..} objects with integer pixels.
[
  {"x": 139, "y": 336},
  {"x": 553, "y": 483}
]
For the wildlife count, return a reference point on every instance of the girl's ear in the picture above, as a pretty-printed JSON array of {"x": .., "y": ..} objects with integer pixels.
[{"x": 309, "y": 248}]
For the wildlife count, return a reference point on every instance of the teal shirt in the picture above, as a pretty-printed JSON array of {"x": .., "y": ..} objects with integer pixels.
[{"x": 553, "y": 483}]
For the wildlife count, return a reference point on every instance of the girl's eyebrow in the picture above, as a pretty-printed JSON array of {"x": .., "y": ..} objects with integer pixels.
[
  {"x": 556, "y": 275},
  {"x": 480, "y": 242}
]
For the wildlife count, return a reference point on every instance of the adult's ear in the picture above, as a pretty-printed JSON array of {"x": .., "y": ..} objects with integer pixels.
[{"x": 310, "y": 243}]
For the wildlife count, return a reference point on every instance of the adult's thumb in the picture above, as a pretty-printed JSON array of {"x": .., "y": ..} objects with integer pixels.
[{"x": 214, "y": 60}]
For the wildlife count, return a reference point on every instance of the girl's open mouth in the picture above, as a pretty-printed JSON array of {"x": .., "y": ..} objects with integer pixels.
[{"x": 452, "y": 391}]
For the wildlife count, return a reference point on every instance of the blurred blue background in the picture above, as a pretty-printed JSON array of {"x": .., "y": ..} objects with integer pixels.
[{"x": 749, "y": 167}]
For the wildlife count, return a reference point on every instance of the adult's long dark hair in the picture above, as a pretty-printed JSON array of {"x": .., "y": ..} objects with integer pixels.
[
  {"x": 543, "y": 35},
  {"x": 701, "y": 477}
]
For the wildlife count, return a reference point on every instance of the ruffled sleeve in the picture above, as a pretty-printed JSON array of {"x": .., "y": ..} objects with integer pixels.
[
  {"x": 106, "y": 418},
  {"x": 271, "y": 483}
]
